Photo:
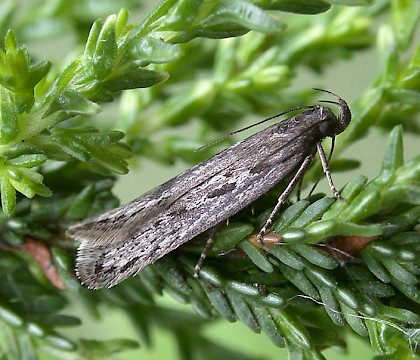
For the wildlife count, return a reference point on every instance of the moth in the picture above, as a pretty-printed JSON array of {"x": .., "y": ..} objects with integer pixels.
[{"x": 121, "y": 242}]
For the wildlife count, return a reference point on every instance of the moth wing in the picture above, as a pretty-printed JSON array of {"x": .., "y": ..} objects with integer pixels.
[{"x": 121, "y": 242}]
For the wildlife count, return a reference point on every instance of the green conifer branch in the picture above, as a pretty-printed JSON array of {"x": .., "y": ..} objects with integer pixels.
[{"x": 58, "y": 161}]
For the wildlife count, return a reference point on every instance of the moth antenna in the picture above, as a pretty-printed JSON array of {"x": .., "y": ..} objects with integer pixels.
[
  {"x": 251, "y": 126},
  {"x": 329, "y": 102}
]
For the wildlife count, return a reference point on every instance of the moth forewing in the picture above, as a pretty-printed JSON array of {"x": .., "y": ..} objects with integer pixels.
[{"x": 121, "y": 242}]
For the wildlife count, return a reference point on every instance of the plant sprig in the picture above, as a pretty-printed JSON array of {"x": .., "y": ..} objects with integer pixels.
[{"x": 58, "y": 160}]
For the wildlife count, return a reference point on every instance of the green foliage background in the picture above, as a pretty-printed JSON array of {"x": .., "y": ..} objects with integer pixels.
[{"x": 204, "y": 66}]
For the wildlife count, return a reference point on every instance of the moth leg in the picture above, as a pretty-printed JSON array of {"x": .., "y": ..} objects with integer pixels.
[
  {"x": 283, "y": 197},
  {"x": 327, "y": 172},
  {"x": 209, "y": 243}
]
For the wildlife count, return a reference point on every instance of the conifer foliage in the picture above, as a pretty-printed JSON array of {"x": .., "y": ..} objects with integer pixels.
[{"x": 349, "y": 264}]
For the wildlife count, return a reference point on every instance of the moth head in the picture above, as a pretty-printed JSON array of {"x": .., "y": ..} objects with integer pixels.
[
  {"x": 334, "y": 125},
  {"x": 329, "y": 123}
]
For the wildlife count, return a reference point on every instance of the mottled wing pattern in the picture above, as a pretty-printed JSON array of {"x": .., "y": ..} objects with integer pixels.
[{"x": 121, "y": 242}]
